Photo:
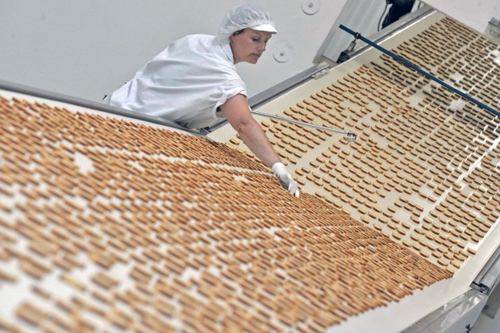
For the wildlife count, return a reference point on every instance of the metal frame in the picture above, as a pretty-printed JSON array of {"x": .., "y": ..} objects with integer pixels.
[
  {"x": 461, "y": 314},
  {"x": 21, "y": 89},
  {"x": 458, "y": 315},
  {"x": 421, "y": 71},
  {"x": 492, "y": 307},
  {"x": 405, "y": 21},
  {"x": 489, "y": 276}
]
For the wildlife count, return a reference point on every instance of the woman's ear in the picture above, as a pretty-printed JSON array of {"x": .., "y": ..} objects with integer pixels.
[{"x": 231, "y": 38}]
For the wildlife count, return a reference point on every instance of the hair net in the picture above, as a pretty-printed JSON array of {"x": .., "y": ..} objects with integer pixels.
[{"x": 245, "y": 16}]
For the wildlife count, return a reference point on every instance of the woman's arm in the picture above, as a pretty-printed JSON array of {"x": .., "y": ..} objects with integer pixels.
[{"x": 237, "y": 112}]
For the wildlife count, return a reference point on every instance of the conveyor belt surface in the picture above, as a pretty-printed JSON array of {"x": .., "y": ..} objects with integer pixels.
[
  {"x": 108, "y": 223},
  {"x": 424, "y": 167}
]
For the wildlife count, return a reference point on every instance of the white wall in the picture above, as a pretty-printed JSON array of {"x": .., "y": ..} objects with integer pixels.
[{"x": 89, "y": 48}]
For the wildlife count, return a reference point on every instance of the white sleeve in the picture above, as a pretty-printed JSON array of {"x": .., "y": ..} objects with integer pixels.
[{"x": 230, "y": 89}]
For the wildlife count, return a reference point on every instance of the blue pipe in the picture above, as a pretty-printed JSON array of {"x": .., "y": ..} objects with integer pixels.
[{"x": 427, "y": 75}]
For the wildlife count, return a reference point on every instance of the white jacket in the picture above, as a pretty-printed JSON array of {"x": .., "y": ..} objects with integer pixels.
[{"x": 185, "y": 83}]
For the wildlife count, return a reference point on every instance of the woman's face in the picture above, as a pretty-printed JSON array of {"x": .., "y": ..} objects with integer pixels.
[{"x": 249, "y": 45}]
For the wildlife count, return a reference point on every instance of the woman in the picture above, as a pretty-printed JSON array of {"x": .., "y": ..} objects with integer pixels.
[{"x": 194, "y": 83}]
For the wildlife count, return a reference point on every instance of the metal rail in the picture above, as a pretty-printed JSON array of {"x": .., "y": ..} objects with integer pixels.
[
  {"x": 405, "y": 62},
  {"x": 16, "y": 88},
  {"x": 95, "y": 106},
  {"x": 351, "y": 137}
]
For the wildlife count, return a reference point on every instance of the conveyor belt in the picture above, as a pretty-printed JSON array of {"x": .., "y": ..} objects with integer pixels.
[
  {"x": 111, "y": 223},
  {"x": 108, "y": 223},
  {"x": 424, "y": 168}
]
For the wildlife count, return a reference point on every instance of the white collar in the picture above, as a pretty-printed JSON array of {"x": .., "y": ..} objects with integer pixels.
[{"x": 226, "y": 47}]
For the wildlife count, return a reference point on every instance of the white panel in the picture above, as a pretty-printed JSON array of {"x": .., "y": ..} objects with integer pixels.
[
  {"x": 362, "y": 16},
  {"x": 359, "y": 15}
]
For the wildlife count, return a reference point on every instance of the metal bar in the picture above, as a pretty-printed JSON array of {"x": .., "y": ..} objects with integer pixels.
[
  {"x": 351, "y": 137},
  {"x": 414, "y": 67},
  {"x": 297, "y": 122}
]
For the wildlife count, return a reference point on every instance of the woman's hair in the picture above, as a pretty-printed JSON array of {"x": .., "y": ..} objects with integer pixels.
[{"x": 238, "y": 32}]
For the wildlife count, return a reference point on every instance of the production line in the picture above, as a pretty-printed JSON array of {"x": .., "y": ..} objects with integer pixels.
[
  {"x": 112, "y": 223},
  {"x": 425, "y": 163},
  {"x": 153, "y": 239}
]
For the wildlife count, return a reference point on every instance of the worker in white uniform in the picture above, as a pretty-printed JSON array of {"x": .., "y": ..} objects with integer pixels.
[{"x": 194, "y": 83}]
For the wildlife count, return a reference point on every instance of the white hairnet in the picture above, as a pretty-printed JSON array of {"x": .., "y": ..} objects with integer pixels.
[{"x": 245, "y": 16}]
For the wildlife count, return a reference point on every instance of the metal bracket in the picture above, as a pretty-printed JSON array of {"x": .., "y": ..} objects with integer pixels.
[
  {"x": 320, "y": 73},
  {"x": 489, "y": 276},
  {"x": 492, "y": 307}
]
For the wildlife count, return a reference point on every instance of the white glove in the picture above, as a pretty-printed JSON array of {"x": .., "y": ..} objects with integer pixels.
[{"x": 285, "y": 179}]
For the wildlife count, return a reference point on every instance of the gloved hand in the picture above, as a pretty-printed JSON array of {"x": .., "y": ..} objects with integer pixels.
[{"x": 285, "y": 179}]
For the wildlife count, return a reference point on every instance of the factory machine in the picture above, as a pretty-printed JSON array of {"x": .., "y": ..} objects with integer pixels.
[
  {"x": 387, "y": 146},
  {"x": 422, "y": 50}
]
